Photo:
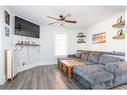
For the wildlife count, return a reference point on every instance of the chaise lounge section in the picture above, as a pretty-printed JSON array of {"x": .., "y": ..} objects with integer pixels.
[{"x": 101, "y": 70}]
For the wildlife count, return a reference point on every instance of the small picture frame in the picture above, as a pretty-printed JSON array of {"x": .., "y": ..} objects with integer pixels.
[
  {"x": 7, "y": 31},
  {"x": 7, "y": 17},
  {"x": 119, "y": 19}
]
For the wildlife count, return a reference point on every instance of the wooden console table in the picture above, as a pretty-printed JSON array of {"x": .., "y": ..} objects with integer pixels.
[{"x": 67, "y": 66}]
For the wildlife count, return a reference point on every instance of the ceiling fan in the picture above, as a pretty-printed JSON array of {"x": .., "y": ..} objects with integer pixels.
[{"x": 62, "y": 19}]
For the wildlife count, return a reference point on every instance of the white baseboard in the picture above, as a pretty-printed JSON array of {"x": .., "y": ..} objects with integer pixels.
[
  {"x": 2, "y": 80},
  {"x": 35, "y": 65}
]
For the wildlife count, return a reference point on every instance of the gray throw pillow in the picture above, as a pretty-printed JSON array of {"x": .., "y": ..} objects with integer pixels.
[
  {"x": 94, "y": 57},
  {"x": 84, "y": 56},
  {"x": 78, "y": 55}
]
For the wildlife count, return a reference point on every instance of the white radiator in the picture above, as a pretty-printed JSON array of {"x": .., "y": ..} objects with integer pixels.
[{"x": 9, "y": 65}]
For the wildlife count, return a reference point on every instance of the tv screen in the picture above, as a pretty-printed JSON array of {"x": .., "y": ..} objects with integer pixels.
[{"x": 26, "y": 28}]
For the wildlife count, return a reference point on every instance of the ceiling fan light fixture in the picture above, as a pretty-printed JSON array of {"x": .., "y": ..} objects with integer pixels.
[
  {"x": 62, "y": 19},
  {"x": 62, "y": 23}
]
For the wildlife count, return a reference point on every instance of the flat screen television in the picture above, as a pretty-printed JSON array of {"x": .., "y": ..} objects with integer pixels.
[{"x": 26, "y": 28}]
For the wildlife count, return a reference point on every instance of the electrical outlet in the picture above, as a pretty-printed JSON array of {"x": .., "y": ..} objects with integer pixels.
[{"x": 23, "y": 63}]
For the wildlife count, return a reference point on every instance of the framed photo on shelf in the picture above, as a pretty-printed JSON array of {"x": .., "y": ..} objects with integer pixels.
[
  {"x": 7, "y": 17},
  {"x": 7, "y": 31},
  {"x": 119, "y": 19}
]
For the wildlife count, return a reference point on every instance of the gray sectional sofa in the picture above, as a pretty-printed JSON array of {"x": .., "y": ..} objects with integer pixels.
[{"x": 101, "y": 70}]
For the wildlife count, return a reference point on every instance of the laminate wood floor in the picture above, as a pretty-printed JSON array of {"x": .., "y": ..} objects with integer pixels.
[{"x": 44, "y": 77}]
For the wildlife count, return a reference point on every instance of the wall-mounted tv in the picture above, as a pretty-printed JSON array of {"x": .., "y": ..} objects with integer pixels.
[{"x": 26, "y": 28}]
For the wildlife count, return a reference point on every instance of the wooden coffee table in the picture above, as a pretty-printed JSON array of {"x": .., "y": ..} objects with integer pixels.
[{"x": 67, "y": 66}]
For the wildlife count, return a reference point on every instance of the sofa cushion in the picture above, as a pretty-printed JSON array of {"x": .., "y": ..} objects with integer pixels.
[
  {"x": 84, "y": 56},
  {"x": 99, "y": 76},
  {"x": 86, "y": 69},
  {"x": 88, "y": 62},
  {"x": 119, "y": 70},
  {"x": 71, "y": 55},
  {"x": 116, "y": 67},
  {"x": 94, "y": 57},
  {"x": 78, "y": 54},
  {"x": 101, "y": 83},
  {"x": 106, "y": 58},
  {"x": 94, "y": 73}
]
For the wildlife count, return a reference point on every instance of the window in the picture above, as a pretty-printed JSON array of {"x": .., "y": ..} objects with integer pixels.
[{"x": 61, "y": 43}]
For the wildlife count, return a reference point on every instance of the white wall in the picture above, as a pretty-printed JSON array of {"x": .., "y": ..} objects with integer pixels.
[
  {"x": 5, "y": 43},
  {"x": 31, "y": 55},
  {"x": 105, "y": 26}
]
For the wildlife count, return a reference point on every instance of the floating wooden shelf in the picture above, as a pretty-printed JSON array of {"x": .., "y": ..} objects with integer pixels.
[
  {"x": 119, "y": 37},
  {"x": 81, "y": 36},
  {"x": 27, "y": 45},
  {"x": 81, "y": 42},
  {"x": 119, "y": 25}
]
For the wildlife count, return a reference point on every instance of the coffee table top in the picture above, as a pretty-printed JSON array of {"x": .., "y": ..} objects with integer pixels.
[{"x": 71, "y": 62}]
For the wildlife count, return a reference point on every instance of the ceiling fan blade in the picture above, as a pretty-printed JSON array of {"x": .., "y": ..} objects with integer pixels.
[
  {"x": 70, "y": 21},
  {"x": 52, "y": 23},
  {"x": 67, "y": 15},
  {"x": 52, "y": 18}
]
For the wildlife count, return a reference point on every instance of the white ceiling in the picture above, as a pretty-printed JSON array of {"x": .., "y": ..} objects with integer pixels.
[{"x": 84, "y": 15}]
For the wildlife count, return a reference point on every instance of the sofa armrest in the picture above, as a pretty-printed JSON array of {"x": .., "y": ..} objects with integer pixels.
[
  {"x": 71, "y": 56},
  {"x": 116, "y": 67}
]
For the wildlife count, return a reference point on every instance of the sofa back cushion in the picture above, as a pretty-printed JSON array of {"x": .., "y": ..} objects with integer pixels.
[
  {"x": 84, "y": 56},
  {"x": 94, "y": 57},
  {"x": 78, "y": 54},
  {"x": 106, "y": 58}
]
